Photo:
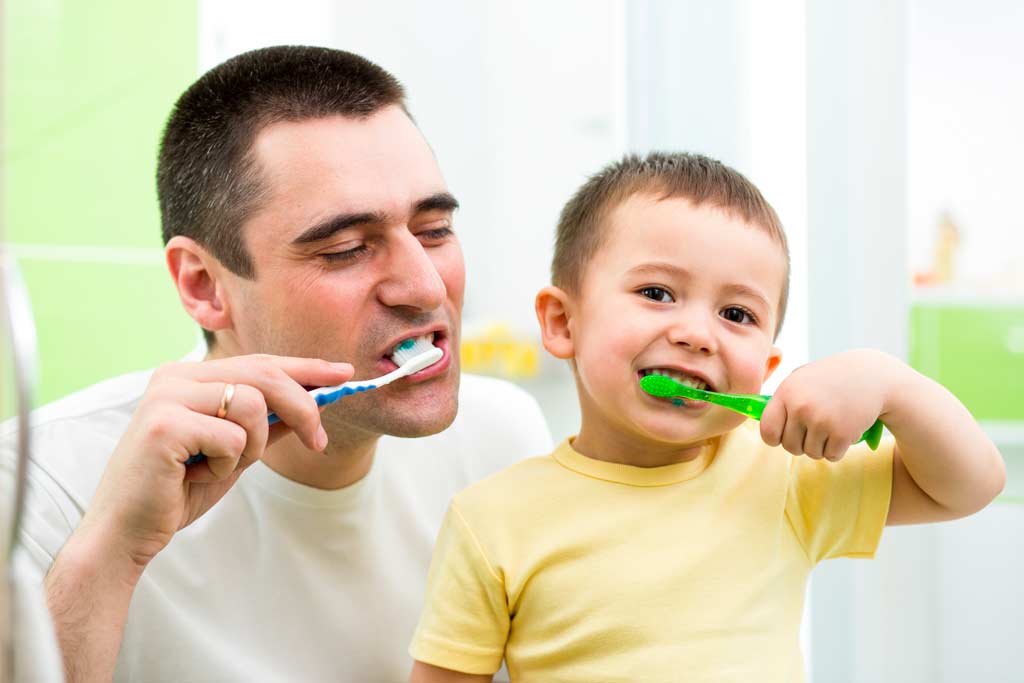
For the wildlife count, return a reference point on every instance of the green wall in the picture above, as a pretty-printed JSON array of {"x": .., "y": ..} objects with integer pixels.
[{"x": 87, "y": 88}]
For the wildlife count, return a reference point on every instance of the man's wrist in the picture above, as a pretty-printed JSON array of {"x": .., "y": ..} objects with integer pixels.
[{"x": 95, "y": 555}]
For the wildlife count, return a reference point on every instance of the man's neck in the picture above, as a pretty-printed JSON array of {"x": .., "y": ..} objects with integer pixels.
[
  {"x": 343, "y": 463},
  {"x": 347, "y": 458}
]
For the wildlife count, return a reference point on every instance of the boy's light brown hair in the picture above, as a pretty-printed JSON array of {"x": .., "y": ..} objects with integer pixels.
[{"x": 582, "y": 226}]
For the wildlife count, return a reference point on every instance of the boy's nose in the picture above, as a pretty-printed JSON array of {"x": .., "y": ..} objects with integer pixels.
[
  {"x": 412, "y": 280},
  {"x": 694, "y": 332}
]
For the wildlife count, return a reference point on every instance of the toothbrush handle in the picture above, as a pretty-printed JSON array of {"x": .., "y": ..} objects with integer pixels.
[{"x": 322, "y": 399}]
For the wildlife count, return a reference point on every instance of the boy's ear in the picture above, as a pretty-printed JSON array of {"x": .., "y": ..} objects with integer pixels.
[
  {"x": 774, "y": 358},
  {"x": 554, "y": 311},
  {"x": 198, "y": 276}
]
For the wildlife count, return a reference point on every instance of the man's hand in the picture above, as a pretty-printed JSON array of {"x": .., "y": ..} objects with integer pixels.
[
  {"x": 824, "y": 407},
  {"x": 147, "y": 493}
]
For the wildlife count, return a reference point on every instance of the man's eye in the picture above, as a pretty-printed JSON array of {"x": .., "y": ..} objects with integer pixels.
[
  {"x": 347, "y": 255},
  {"x": 435, "y": 235},
  {"x": 656, "y": 294},
  {"x": 739, "y": 315}
]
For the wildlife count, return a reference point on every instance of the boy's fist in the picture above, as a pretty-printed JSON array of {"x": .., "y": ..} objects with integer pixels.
[{"x": 825, "y": 406}]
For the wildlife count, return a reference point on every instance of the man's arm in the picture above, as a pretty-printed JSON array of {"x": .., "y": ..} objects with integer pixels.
[
  {"x": 147, "y": 493},
  {"x": 88, "y": 590},
  {"x": 428, "y": 673},
  {"x": 945, "y": 466}
]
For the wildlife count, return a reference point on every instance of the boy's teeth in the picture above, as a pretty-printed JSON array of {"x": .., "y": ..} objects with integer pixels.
[{"x": 685, "y": 380}]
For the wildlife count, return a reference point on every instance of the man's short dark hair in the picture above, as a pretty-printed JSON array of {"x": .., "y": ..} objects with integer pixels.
[{"x": 208, "y": 179}]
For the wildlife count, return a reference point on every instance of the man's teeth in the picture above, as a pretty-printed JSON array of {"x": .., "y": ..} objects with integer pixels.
[
  {"x": 420, "y": 343},
  {"x": 684, "y": 379}
]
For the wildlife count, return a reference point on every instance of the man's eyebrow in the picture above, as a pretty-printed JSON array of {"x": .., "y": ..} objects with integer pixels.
[
  {"x": 334, "y": 224},
  {"x": 442, "y": 201}
]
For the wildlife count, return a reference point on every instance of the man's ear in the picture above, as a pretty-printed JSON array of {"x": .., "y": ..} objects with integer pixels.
[
  {"x": 554, "y": 312},
  {"x": 774, "y": 358},
  {"x": 198, "y": 275}
]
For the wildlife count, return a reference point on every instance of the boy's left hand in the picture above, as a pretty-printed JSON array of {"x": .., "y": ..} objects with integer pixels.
[{"x": 824, "y": 407}]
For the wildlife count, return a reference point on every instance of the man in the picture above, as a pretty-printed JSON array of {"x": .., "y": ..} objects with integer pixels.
[{"x": 304, "y": 217}]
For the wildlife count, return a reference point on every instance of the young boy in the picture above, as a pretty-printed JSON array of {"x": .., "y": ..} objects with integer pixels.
[{"x": 673, "y": 543}]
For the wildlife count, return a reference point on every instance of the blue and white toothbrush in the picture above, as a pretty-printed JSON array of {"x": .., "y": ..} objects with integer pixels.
[{"x": 410, "y": 356}]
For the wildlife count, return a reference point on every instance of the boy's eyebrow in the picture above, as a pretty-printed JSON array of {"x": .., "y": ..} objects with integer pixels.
[
  {"x": 442, "y": 201},
  {"x": 749, "y": 291},
  {"x": 672, "y": 270}
]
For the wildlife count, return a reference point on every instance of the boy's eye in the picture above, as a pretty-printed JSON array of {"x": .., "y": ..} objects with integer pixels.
[
  {"x": 739, "y": 315},
  {"x": 657, "y": 294}
]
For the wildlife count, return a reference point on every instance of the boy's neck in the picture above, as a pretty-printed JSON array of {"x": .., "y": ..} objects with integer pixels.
[{"x": 611, "y": 445}]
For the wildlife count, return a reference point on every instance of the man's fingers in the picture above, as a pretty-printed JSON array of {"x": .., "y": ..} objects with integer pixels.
[
  {"x": 279, "y": 380},
  {"x": 221, "y": 441},
  {"x": 313, "y": 372}
]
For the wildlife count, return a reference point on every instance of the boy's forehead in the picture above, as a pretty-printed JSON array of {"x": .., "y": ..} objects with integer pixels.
[{"x": 674, "y": 231}]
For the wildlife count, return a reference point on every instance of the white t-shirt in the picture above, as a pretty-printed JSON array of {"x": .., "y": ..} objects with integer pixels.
[{"x": 278, "y": 581}]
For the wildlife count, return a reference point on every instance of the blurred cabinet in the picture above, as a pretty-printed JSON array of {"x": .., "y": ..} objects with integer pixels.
[{"x": 976, "y": 350}]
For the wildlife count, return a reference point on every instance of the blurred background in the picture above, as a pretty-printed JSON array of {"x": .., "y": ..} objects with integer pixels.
[{"x": 886, "y": 133}]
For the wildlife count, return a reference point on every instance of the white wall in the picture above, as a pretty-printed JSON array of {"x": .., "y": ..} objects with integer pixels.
[{"x": 966, "y": 141}]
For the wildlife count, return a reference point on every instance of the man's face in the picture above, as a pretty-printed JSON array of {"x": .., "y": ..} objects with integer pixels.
[
  {"x": 687, "y": 291},
  {"x": 354, "y": 252}
]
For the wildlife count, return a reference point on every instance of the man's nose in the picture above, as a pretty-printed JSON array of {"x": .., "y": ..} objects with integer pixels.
[
  {"x": 694, "y": 330},
  {"x": 412, "y": 279}
]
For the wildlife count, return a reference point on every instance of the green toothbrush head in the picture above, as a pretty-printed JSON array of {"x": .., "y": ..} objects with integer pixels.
[{"x": 666, "y": 387}]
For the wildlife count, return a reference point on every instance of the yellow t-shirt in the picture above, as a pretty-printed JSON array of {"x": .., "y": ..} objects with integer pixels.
[{"x": 575, "y": 569}]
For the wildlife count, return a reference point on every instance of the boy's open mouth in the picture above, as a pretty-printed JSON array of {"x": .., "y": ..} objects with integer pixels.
[{"x": 693, "y": 381}]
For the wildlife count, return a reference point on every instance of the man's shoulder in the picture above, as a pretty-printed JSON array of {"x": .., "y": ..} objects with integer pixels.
[
  {"x": 102, "y": 401},
  {"x": 493, "y": 410},
  {"x": 478, "y": 390},
  {"x": 72, "y": 437},
  {"x": 498, "y": 423}
]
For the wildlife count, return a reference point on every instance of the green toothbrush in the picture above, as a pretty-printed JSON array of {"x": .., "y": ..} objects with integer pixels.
[{"x": 750, "y": 405}]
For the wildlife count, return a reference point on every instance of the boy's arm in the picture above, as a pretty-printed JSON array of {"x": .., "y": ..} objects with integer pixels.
[
  {"x": 428, "y": 673},
  {"x": 944, "y": 465}
]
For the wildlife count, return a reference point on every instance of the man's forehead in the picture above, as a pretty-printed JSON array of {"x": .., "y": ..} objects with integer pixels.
[{"x": 379, "y": 164}]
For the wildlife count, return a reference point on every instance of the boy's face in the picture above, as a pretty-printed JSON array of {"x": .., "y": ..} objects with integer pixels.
[{"x": 689, "y": 290}]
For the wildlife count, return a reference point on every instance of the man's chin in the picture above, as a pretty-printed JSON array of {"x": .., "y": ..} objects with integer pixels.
[
  {"x": 405, "y": 419},
  {"x": 413, "y": 429}
]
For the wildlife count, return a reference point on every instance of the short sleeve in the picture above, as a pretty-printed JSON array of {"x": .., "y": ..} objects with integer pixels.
[
  {"x": 49, "y": 517},
  {"x": 465, "y": 620},
  {"x": 839, "y": 509}
]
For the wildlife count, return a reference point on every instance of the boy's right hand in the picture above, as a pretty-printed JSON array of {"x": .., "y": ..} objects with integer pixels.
[{"x": 147, "y": 493}]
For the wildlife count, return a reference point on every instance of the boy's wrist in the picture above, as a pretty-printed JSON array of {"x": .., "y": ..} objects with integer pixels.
[{"x": 902, "y": 387}]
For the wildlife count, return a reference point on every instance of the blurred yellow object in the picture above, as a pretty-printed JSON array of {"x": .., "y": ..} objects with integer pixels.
[{"x": 495, "y": 350}]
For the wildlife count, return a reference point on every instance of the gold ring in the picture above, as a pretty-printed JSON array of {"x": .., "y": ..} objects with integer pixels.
[{"x": 225, "y": 400}]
